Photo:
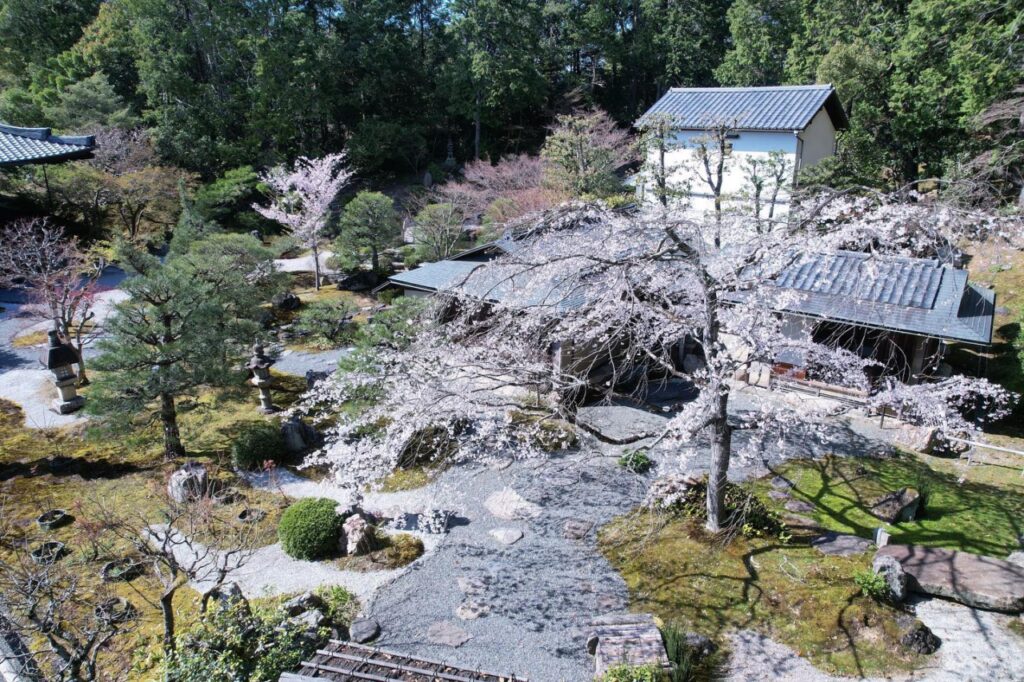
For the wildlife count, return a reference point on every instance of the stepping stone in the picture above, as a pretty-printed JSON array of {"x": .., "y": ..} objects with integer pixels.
[
  {"x": 840, "y": 544},
  {"x": 471, "y": 610},
  {"x": 625, "y": 639},
  {"x": 576, "y": 529},
  {"x": 471, "y": 586},
  {"x": 799, "y": 506},
  {"x": 804, "y": 523},
  {"x": 778, "y": 495},
  {"x": 446, "y": 633},
  {"x": 363, "y": 630},
  {"x": 507, "y": 536},
  {"x": 781, "y": 483},
  {"x": 897, "y": 506},
  {"x": 509, "y": 505},
  {"x": 980, "y": 581}
]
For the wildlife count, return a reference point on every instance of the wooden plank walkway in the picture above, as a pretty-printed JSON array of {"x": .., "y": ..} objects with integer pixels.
[{"x": 350, "y": 662}]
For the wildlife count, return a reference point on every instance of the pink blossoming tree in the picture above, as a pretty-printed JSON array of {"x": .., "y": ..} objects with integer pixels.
[
  {"x": 302, "y": 198},
  {"x": 597, "y": 303}
]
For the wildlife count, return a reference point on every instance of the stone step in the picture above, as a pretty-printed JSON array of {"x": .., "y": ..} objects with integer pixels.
[{"x": 972, "y": 579}]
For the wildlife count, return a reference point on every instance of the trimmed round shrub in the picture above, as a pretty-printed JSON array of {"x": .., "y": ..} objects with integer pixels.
[
  {"x": 256, "y": 444},
  {"x": 309, "y": 529}
]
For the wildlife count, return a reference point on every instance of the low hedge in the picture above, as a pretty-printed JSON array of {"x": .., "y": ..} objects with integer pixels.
[
  {"x": 310, "y": 528},
  {"x": 257, "y": 444}
]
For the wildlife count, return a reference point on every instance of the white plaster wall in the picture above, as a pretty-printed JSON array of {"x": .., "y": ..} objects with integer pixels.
[{"x": 819, "y": 140}]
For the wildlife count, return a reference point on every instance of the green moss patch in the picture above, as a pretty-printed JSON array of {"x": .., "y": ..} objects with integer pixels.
[
  {"x": 789, "y": 592},
  {"x": 978, "y": 515}
]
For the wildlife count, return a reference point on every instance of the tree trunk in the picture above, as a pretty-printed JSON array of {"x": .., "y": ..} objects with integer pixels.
[
  {"x": 476, "y": 126},
  {"x": 316, "y": 266},
  {"x": 172, "y": 437},
  {"x": 167, "y": 609},
  {"x": 721, "y": 449},
  {"x": 374, "y": 259}
]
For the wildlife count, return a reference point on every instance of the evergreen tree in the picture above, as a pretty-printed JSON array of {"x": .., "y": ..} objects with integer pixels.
[
  {"x": 185, "y": 324},
  {"x": 369, "y": 222},
  {"x": 761, "y": 34}
]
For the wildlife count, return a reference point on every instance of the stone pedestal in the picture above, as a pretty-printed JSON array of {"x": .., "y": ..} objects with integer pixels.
[{"x": 69, "y": 400}]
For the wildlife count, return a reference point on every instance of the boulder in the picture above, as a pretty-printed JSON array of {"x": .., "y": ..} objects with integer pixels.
[
  {"x": 309, "y": 624},
  {"x": 286, "y": 301},
  {"x": 893, "y": 574},
  {"x": 980, "y": 581},
  {"x": 917, "y": 438},
  {"x": 1016, "y": 558},
  {"x": 916, "y": 636},
  {"x": 229, "y": 595},
  {"x": 699, "y": 646},
  {"x": 298, "y": 435},
  {"x": 363, "y": 630},
  {"x": 894, "y": 507},
  {"x": 359, "y": 535},
  {"x": 189, "y": 483},
  {"x": 314, "y": 377},
  {"x": 301, "y": 603}
]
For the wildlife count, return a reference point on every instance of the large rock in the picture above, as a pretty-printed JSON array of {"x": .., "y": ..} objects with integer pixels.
[
  {"x": 625, "y": 639},
  {"x": 301, "y": 603},
  {"x": 363, "y": 630},
  {"x": 509, "y": 505},
  {"x": 980, "y": 581},
  {"x": 229, "y": 596},
  {"x": 894, "y": 507},
  {"x": 286, "y": 301},
  {"x": 298, "y": 435},
  {"x": 359, "y": 535},
  {"x": 916, "y": 636},
  {"x": 188, "y": 484},
  {"x": 917, "y": 438},
  {"x": 507, "y": 536},
  {"x": 893, "y": 574}
]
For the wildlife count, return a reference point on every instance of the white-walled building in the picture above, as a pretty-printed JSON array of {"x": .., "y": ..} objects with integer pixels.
[{"x": 769, "y": 132}]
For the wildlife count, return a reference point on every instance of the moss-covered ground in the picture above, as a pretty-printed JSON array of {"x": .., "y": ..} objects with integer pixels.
[
  {"x": 791, "y": 592},
  {"x": 979, "y": 509},
  {"x": 788, "y": 591},
  {"x": 83, "y": 470}
]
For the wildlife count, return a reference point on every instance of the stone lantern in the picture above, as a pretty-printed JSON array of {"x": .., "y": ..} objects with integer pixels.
[
  {"x": 259, "y": 364},
  {"x": 59, "y": 359}
]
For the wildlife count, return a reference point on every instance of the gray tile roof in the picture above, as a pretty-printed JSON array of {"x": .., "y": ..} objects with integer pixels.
[
  {"x": 775, "y": 108},
  {"x": 436, "y": 276},
  {"x": 911, "y": 295},
  {"x": 20, "y": 146}
]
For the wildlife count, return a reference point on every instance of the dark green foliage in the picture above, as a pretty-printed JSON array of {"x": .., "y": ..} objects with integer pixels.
[
  {"x": 309, "y": 529},
  {"x": 227, "y": 201},
  {"x": 256, "y": 444},
  {"x": 871, "y": 585},
  {"x": 632, "y": 673},
  {"x": 679, "y": 654},
  {"x": 342, "y": 605},
  {"x": 187, "y": 323},
  {"x": 368, "y": 223},
  {"x": 326, "y": 322},
  {"x": 743, "y": 511},
  {"x": 636, "y": 461},
  {"x": 236, "y": 643}
]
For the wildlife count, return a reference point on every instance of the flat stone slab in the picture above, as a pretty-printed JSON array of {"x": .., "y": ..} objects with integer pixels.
[
  {"x": 619, "y": 424},
  {"x": 576, "y": 529},
  {"x": 841, "y": 544},
  {"x": 509, "y": 505},
  {"x": 799, "y": 507},
  {"x": 507, "y": 536},
  {"x": 980, "y": 581},
  {"x": 625, "y": 639},
  {"x": 446, "y": 633}
]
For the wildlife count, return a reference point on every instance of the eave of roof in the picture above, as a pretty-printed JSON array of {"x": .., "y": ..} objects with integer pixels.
[
  {"x": 20, "y": 146},
  {"x": 786, "y": 108}
]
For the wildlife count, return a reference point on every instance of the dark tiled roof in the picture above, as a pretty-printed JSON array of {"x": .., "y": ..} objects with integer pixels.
[
  {"x": 911, "y": 295},
  {"x": 776, "y": 108},
  {"x": 37, "y": 145}
]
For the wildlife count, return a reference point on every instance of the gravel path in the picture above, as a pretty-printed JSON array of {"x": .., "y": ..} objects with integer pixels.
[
  {"x": 299, "y": 362},
  {"x": 33, "y": 390},
  {"x": 304, "y": 263}
]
